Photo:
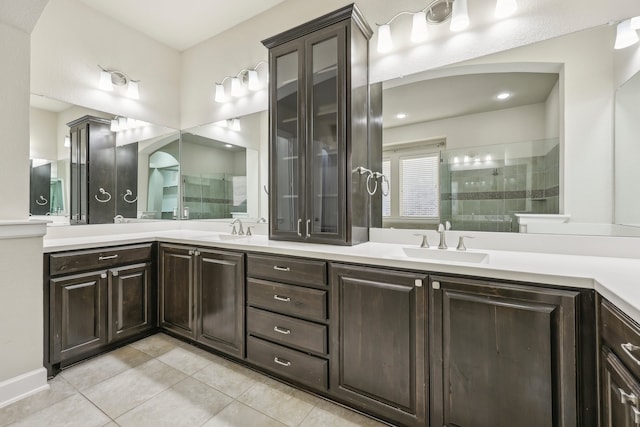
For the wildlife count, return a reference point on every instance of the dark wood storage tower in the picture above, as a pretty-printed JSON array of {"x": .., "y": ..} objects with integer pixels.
[
  {"x": 99, "y": 184},
  {"x": 318, "y": 130}
]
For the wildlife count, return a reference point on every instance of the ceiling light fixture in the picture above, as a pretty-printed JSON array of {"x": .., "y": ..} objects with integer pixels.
[
  {"x": 245, "y": 79},
  {"x": 401, "y": 116},
  {"x": 437, "y": 12},
  {"x": 111, "y": 78},
  {"x": 503, "y": 95},
  {"x": 625, "y": 35}
]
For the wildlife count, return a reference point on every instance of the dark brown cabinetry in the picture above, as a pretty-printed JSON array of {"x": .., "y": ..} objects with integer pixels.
[
  {"x": 319, "y": 109},
  {"x": 620, "y": 368},
  {"x": 99, "y": 183},
  {"x": 287, "y": 318},
  {"x": 502, "y": 354},
  {"x": 202, "y": 296},
  {"x": 96, "y": 298},
  {"x": 378, "y": 342}
]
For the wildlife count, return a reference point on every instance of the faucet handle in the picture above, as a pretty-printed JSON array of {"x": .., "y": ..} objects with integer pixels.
[
  {"x": 425, "y": 240},
  {"x": 447, "y": 225},
  {"x": 461, "y": 246},
  {"x": 248, "y": 233},
  {"x": 233, "y": 230},
  {"x": 440, "y": 228}
]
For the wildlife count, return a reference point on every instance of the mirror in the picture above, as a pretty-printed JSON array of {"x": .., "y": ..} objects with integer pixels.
[
  {"x": 51, "y": 139},
  {"x": 568, "y": 123},
  {"x": 221, "y": 168}
]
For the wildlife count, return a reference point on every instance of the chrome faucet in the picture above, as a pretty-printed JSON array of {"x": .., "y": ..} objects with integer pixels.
[
  {"x": 441, "y": 229},
  {"x": 240, "y": 232}
]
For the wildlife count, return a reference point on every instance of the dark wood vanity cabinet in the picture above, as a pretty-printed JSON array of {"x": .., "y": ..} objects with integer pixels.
[
  {"x": 202, "y": 296},
  {"x": 318, "y": 130},
  {"x": 378, "y": 342},
  {"x": 503, "y": 354},
  {"x": 620, "y": 368},
  {"x": 287, "y": 318},
  {"x": 96, "y": 298}
]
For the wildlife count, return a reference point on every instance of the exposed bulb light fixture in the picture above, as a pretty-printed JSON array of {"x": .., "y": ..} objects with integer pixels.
[
  {"x": 385, "y": 44},
  {"x": 419, "y": 30},
  {"x": 459, "y": 16},
  {"x": 234, "y": 124},
  {"x": 505, "y": 8},
  {"x": 625, "y": 35},
  {"x": 245, "y": 79},
  {"x": 111, "y": 78}
]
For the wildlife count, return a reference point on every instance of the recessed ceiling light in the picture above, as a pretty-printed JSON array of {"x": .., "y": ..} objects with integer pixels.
[
  {"x": 503, "y": 95},
  {"x": 228, "y": 145},
  {"x": 401, "y": 116}
]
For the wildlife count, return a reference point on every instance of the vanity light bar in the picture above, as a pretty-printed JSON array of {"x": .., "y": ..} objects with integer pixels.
[
  {"x": 436, "y": 12},
  {"x": 111, "y": 78},
  {"x": 246, "y": 80}
]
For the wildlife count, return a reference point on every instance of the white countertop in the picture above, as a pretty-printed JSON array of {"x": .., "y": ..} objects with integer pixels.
[{"x": 614, "y": 278}]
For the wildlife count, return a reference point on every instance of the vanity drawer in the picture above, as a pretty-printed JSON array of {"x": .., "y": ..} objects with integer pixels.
[
  {"x": 622, "y": 335},
  {"x": 293, "y": 364},
  {"x": 287, "y": 299},
  {"x": 74, "y": 261},
  {"x": 287, "y": 330},
  {"x": 285, "y": 269}
]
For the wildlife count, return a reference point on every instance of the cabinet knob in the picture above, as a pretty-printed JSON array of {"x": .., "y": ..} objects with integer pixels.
[
  {"x": 435, "y": 284},
  {"x": 114, "y": 273}
]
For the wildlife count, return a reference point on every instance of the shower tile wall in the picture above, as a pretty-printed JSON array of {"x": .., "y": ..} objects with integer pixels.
[{"x": 486, "y": 199}]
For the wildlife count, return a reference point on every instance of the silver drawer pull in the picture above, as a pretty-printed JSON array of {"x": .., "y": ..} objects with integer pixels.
[
  {"x": 627, "y": 398},
  {"x": 628, "y": 348},
  {"x": 104, "y": 258},
  {"x": 283, "y": 331},
  {"x": 283, "y": 299},
  {"x": 636, "y": 415},
  {"x": 275, "y": 267},
  {"x": 281, "y": 361}
]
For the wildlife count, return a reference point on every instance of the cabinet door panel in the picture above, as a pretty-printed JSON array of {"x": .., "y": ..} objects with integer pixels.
[
  {"x": 618, "y": 389},
  {"x": 221, "y": 301},
  {"x": 130, "y": 300},
  {"x": 79, "y": 318},
  {"x": 176, "y": 290},
  {"x": 502, "y": 355},
  {"x": 378, "y": 341}
]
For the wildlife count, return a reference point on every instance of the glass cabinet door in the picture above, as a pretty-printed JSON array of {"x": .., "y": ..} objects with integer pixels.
[
  {"x": 286, "y": 156},
  {"x": 325, "y": 204}
]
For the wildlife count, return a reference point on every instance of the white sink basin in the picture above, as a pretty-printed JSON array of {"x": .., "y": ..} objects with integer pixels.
[{"x": 446, "y": 255}]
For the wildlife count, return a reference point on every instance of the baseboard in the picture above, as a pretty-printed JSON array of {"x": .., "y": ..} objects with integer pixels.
[{"x": 24, "y": 385}]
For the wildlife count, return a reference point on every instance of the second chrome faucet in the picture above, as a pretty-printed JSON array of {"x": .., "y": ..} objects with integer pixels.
[{"x": 441, "y": 230}]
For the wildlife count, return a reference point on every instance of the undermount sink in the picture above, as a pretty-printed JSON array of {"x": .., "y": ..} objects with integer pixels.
[{"x": 446, "y": 255}]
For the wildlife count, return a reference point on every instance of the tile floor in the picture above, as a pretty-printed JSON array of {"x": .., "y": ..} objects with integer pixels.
[{"x": 161, "y": 381}]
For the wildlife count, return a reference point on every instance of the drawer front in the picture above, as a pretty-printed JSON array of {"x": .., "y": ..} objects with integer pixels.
[
  {"x": 621, "y": 335},
  {"x": 300, "y": 367},
  {"x": 285, "y": 269},
  {"x": 287, "y": 330},
  {"x": 294, "y": 300},
  {"x": 70, "y": 262}
]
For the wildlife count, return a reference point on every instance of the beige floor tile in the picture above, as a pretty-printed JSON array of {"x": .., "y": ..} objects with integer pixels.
[
  {"x": 156, "y": 345},
  {"x": 184, "y": 359},
  {"x": 239, "y": 415},
  {"x": 228, "y": 377},
  {"x": 94, "y": 371},
  {"x": 127, "y": 390},
  {"x": 111, "y": 424},
  {"x": 329, "y": 414},
  {"x": 188, "y": 403},
  {"x": 59, "y": 389},
  {"x": 279, "y": 401},
  {"x": 74, "y": 411}
]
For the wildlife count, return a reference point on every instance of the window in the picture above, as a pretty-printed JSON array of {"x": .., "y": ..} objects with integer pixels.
[{"x": 413, "y": 174}]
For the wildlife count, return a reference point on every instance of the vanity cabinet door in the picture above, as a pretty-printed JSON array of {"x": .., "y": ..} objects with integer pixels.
[
  {"x": 220, "y": 277},
  {"x": 177, "y": 290},
  {"x": 502, "y": 354},
  {"x": 78, "y": 315},
  {"x": 378, "y": 342},
  {"x": 620, "y": 393},
  {"x": 131, "y": 301}
]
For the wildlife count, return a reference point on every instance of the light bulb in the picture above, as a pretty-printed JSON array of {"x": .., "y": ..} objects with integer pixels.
[
  {"x": 459, "y": 16},
  {"x": 254, "y": 81},
  {"x": 625, "y": 36},
  {"x": 635, "y": 23},
  {"x": 419, "y": 27},
  {"x": 132, "y": 90},
  {"x": 220, "y": 95},
  {"x": 506, "y": 8},
  {"x": 105, "y": 81},
  {"x": 115, "y": 127},
  {"x": 236, "y": 87},
  {"x": 385, "y": 44},
  {"x": 235, "y": 125}
]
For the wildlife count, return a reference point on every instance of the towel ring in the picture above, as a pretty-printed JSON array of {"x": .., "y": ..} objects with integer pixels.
[
  {"x": 41, "y": 201},
  {"x": 103, "y": 192},
  {"x": 127, "y": 194}
]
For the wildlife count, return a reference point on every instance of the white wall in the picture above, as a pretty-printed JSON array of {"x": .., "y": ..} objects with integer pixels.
[
  {"x": 43, "y": 131},
  {"x": 71, "y": 40},
  {"x": 553, "y": 115},
  {"x": 526, "y": 123}
]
